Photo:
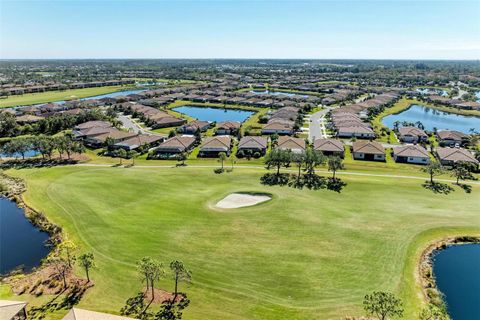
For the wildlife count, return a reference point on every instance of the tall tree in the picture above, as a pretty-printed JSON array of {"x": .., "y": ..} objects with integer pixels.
[
  {"x": 383, "y": 305},
  {"x": 335, "y": 163},
  {"x": 67, "y": 250},
  {"x": 312, "y": 160},
  {"x": 299, "y": 160},
  {"x": 222, "y": 156},
  {"x": 87, "y": 261},
  {"x": 462, "y": 170},
  {"x": 180, "y": 274},
  {"x": 434, "y": 168}
]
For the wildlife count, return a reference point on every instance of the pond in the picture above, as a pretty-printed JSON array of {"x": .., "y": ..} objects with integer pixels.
[
  {"x": 28, "y": 154},
  {"x": 21, "y": 243},
  {"x": 214, "y": 114},
  {"x": 280, "y": 93},
  {"x": 432, "y": 118},
  {"x": 457, "y": 275},
  {"x": 432, "y": 91}
]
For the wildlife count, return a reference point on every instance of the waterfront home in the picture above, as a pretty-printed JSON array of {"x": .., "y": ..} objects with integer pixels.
[
  {"x": 450, "y": 156},
  {"x": 13, "y": 310},
  {"x": 81, "y": 314},
  {"x": 140, "y": 142},
  {"x": 329, "y": 147},
  {"x": 212, "y": 146},
  {"x": 250, "y": 145},
  {"x": 411, "y": 154},
  {"x": 368, "y": 150},
  {"x": 194, "y": 126},
  {"x": 451, "y": 138},
  {"x": 170, "y": 148},
  {"x": 412, "y": 135},
  {"x": 228, "y": 128},
  {"x": 296, "y": 145}
]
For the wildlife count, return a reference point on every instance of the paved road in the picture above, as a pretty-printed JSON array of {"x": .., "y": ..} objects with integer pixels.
[
  {"x": 317, "y": 124},
  {"x": 133, "y": 126}
]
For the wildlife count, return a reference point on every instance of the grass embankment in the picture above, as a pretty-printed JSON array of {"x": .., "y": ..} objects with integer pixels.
[
  {"x": 303, "y": 255},
  {"x": 51, "y": 96}
]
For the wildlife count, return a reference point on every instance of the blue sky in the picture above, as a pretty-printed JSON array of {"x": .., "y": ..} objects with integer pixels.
[{"x": 381, "y": 29}]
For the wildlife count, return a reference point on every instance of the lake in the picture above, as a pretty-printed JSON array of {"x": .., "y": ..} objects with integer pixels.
[
  {"x": 214, "y": 114},
  {"x": 280, "y": 93},
  {"x": 457, "y": 273},
  {"x": 432, "y": 118},
  {"x": 21, "y": 243}
]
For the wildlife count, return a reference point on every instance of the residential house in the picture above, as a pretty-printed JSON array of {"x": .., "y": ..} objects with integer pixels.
[
  {"x": 450, "y": 156},
  {"x": 368, "y": 150},
  {"x": 228, "y": 128},
  {"x": 13, "y": 310},
  {"x": 411, "y": 154},
  {"x": 451, "y": 138},
  {"x": 329, "y": 147},
  {"x": 82, "y": 314},
  {"x": 296, "y": 145},
  {"x": 357, "y": 131},
  {"x": 194, "y": 127},
  {"x": 281, "y": 128},
  {"x": 412, "y": 135},
  {"x": 251, "y": 144},
  {"x": 172, "y": 147},
  {"x": 212, "y": 146},
  {"x": 140, "y": 142}
]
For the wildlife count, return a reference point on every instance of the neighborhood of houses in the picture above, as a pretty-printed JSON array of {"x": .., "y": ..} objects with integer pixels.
[{"x": 348, "y": 124}]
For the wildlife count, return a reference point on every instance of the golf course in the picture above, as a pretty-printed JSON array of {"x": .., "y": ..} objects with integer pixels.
[{"x": 304, "y": 254}]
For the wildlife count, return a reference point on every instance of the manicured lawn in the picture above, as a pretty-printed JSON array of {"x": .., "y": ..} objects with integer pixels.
[
  {"x": 303, "y": 255},
  {"x": 50, "y": 96}
]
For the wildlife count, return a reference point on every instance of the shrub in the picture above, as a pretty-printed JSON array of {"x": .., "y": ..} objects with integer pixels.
[
  {"x": 218, "y": 170},
  {"x": 257, "y": 155}
]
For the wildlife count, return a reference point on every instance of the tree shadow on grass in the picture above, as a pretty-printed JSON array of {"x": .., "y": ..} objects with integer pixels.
[
  {"x": 466, "y": 187},
  {"x": 438, "y": 187}
]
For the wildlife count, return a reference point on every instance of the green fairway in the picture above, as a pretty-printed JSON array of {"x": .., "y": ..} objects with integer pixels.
[
  {"x": 50, "y": 96},
  {"x": 303, "y": 255}
]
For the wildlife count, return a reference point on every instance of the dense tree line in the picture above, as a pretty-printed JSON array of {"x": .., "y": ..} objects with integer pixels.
[
  {"x": 49, "y": 125},
  {"x": 43, "y": 145}
]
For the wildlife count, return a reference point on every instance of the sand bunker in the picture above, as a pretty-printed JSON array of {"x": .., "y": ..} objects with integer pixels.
[{"x": 239, "y": 200}]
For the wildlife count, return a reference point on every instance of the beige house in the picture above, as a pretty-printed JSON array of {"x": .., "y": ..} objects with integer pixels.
[
  {"x": 13, "y": 310},
  {"x": 81, "y": 314}
]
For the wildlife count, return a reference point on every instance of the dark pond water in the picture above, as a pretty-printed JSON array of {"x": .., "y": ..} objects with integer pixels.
[
  {"x": 432, "y": 91},
  {"x": 457, "y": 272},
  {"x": 280, "y": 93},
  {"x": 214, "y": 114},
  {"x": 21, "y": 243},
  {"x": 28, "y": 154},
  {"x": 432, "y": 118}
]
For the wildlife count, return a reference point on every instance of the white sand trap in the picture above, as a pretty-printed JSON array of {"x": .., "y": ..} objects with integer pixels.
[{"x": 239, "y": 200}]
